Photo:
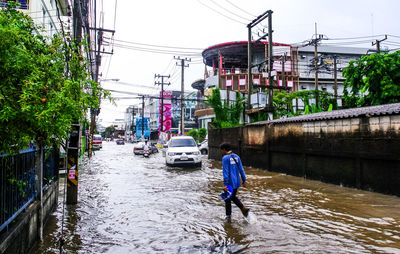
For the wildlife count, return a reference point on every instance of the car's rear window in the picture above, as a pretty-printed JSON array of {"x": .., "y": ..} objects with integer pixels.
[
  {"x": 182, "y": 142},
  {"x": 96, "y": 138}
]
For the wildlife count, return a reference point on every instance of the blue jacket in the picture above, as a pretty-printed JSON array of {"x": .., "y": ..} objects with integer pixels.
[{"x": 229, "y": 165}]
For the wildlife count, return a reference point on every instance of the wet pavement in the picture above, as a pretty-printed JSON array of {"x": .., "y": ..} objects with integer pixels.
[{"x": 132, "y": 204}]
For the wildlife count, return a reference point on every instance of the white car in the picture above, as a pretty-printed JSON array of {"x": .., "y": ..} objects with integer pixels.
[
  {"x": 182, "y": 150},
  {"x": 203, "y": 147}
]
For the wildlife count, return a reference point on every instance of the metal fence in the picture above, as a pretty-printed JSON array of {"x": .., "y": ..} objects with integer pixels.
[
  {"x": 17, "y": 181},
  {"x": 50, "y": 166},
  {"x": 17, "y": 184}
]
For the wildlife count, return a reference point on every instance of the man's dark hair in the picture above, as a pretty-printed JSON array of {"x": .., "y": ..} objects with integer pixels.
[{"x": 225, "y": 146}]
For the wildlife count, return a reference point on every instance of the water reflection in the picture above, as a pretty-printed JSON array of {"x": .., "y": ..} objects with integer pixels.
[{"x": 131, "y": 204}]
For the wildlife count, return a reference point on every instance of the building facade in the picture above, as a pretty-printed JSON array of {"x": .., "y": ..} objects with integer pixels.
[{"x": 293, "y": 70}]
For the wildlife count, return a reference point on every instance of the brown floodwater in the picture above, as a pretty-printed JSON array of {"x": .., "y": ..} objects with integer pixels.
[{"x": 132, "y": 204}]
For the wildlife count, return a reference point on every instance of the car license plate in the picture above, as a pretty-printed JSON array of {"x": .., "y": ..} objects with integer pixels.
[{"x": 184, "y": 158}]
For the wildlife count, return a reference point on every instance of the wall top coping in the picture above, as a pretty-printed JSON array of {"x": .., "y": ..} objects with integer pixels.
[{"x": 387, "y": 109}]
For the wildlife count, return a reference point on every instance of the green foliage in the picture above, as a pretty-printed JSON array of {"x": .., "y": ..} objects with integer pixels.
[
  {"x": 283, "y": 102},
  {"x": 39, "y": 98},
  {"x": 194, "y": 134},
  {"x": 202, "y": 133},
  {"x": 372, "y": 80},
  {"x": 21, "y": 185},
  {"x": 199, "y": 135},
  {"x": 109, "y": 131},
  {"x": 225, "y": 116}
]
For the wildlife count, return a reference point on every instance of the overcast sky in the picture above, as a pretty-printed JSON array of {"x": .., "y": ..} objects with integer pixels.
[{"x": 198, "y": 24}]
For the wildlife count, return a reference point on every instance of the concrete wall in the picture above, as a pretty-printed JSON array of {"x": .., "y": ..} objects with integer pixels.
[
  {"x": 358, "y": 152},
  {"x": 24, "y": 232}
]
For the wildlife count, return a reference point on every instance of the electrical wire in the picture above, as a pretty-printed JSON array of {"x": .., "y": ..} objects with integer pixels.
[
  {"x": 355, "y": 38},
  {"x": 237, "y": 7},
  {"x": 235, "y": 20},
  {"x": 157, "y": 51},
  {"x": 217, "y": 4},
  {"x": 160, "y": 46}
]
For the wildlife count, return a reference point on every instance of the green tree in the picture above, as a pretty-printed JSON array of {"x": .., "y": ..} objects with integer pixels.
[
  {"x": 283, "y": 102},
  {"x": 372, "y": 80},
  {"x": 198, "y": 134},
  {"x": 39, "y": 98},
  {"x": 194, "y": 134},
  {"x": 202, "y": 133},
  {"x": 225, "y": 116},
  {"x": 109, "y": 131}
]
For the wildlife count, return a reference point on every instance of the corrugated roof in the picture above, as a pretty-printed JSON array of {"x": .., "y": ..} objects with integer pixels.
[
  {"x": 335, "y": 50},
  {"x": 387, "y": 109}
]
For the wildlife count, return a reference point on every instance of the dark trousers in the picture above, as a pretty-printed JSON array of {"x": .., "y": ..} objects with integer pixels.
[{"x": 228, "y": 204}]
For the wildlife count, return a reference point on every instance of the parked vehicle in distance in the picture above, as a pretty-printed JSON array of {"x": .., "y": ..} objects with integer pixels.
[
  {"x": 203, "y": 147},
  {"x": 120, "y": 141},
  {"x": 153, "y": 148},
  {"x": 182, "y": 150},
  {"x": 97, "y": 141},
  {"x": 138, "y": 148}
]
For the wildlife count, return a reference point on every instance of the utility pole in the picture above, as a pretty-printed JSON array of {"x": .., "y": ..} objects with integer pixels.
[
  {"x": 255, "y": 22},
  {"x": 142, "y": 116},
  {"x": 183, "y": 65},
  {"x": 95, "y": 112},
  {"x": 270, "y": 66},
  {"x": 74, "y": 135},
  {"x": 335, "y": 75},
  {"x": 318, "y": 38},
  {"x": 162, "y": 97},
  {"x": 284, "y": 84},
  {"x": 249, "y": 65},
  {"x": 378, "y": 44}
]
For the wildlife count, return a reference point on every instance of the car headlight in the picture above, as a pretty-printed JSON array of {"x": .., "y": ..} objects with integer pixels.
[
  {"x": 196, "y": 153},
  {"x": 171, "y": 154}
]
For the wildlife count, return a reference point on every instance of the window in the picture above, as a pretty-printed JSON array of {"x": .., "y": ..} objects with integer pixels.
[{"x": 182, "y": 142}]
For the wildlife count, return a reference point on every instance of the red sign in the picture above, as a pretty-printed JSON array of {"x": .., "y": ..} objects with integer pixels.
[{"x": 71, "y": 174}]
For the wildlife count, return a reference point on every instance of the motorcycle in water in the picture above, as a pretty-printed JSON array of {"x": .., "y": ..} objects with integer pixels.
[{"x": 146, "y": 153}]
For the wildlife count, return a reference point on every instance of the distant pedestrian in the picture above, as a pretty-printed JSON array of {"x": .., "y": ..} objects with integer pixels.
[{"x": 233, "y": 175}]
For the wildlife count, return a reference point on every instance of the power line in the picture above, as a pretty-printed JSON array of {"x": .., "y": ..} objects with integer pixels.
[
  {"x": 355, "y": 38},
  {"x": 159, "y": 46},
  {"x": 217, "y": 4},
  {"x": 235, "y": 20},
  {"x": 159, "y": 51},
  {"x": 237, "y": 7}
]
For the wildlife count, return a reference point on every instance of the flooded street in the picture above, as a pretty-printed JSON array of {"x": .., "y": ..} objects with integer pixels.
[{"x": 132, "y": 204}]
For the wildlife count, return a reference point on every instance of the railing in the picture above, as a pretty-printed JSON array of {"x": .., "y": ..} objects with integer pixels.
[
  {"x": 17, "y": 184},
  {"x": 50, "y": 167}
]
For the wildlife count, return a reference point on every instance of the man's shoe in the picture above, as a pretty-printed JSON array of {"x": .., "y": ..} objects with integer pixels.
[
  {"x": 245, "y": 212},
  {"x": 228, "y": 218}
]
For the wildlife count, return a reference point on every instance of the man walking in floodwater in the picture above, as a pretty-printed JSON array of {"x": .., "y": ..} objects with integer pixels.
[{"x": 233, "y": 175}]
